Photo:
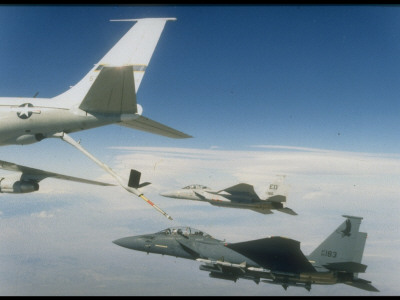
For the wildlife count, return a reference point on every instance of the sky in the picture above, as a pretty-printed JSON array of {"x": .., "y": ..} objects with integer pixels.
[{"x": 310, "y": 92}]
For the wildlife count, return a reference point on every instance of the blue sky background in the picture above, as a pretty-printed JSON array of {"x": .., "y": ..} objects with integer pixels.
[
  {"x": 319, "y": 82},
  {"x": 311, "y": 76}
]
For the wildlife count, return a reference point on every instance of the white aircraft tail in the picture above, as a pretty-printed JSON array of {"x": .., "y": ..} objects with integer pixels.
[
  {"x": 111, "y": 85},
  {"x": 276, "y": 191}
]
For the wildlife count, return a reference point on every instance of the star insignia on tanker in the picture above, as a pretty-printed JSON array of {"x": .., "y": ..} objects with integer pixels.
[{"x": 25, "y": 111}]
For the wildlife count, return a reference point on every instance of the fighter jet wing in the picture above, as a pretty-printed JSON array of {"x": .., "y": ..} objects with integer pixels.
[
  {"x": 38, "y": 175},
  {"x": 145, "y": 124},
  {"x": 241, "y": 189},
  {"x": 276, "y": 254},
  {"x": 264, "y": 211},
  {"x": 188, "y": 247},
  {"x": 287, "y": 210}
]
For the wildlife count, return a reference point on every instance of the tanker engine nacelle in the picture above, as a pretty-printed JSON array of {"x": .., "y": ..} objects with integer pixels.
[{"x": 17, "y": 186}]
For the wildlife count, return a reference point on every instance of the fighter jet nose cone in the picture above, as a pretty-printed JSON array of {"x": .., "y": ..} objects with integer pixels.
[
  {"x": 131, "y": 242},
  {"x": 120, "y": 242},
  {"x": 126, "y": 242}
]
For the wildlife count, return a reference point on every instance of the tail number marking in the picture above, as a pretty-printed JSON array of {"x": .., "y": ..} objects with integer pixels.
[{"x": 329, "y": 253}]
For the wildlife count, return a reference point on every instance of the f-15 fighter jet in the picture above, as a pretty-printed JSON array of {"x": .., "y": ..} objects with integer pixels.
[
  {"x": 275, "y": 260},
  {"x": 238, "y": 196}
]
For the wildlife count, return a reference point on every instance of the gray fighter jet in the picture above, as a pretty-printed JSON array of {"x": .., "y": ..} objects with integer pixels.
[
  {"x": 275, "y": 260},
  {"x": 238, "y": 196}
]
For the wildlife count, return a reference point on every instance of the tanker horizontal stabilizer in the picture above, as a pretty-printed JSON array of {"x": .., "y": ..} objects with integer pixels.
[{"x": 145, "y": 124}]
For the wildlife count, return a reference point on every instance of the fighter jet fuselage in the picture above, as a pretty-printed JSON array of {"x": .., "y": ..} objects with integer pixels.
[
  {"x": 238, "y": 196},
  {"x": 275, "y": 260},
  {"x": 183, "y": 242}
]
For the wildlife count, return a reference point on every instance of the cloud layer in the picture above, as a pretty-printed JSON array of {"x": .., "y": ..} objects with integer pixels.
[{"x": 61, "y": 243}]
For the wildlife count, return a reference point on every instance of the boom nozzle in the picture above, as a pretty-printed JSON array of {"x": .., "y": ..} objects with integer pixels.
[{"x": 155, "y": 206}]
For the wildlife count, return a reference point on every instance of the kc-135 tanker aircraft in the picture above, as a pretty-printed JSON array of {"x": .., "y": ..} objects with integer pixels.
[
  {"x": 275, "y": 260},
  {"x": 106, "y": 95},
  {"x": 241, "y": 195}
]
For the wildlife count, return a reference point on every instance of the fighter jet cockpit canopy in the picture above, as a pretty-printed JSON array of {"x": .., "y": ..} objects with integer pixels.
[
  {"x": 196, "y": 187},
  {"x": 185, "y": 231}
]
